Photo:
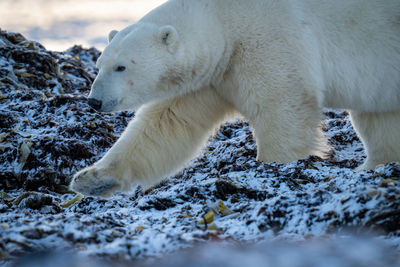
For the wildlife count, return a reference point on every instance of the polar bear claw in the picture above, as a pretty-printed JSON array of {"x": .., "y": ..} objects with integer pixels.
[{"x": 94, "y": 182}]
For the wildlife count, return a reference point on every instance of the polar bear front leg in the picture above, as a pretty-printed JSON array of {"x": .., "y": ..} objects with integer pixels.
[
  {"x": 380, "y": 134},
  {"x": 160, "y": 140}
]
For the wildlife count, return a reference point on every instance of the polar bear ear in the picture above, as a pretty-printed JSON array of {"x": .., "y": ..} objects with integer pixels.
[
  {"x": 169, "y": 37},
  {"x": 111, "y": 35}
]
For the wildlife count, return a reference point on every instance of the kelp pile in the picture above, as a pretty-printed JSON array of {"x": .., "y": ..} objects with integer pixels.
[{"x": 48, "y": 131}]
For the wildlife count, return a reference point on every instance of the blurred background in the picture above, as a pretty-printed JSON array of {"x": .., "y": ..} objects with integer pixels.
[{"x": 60, "y": 24}]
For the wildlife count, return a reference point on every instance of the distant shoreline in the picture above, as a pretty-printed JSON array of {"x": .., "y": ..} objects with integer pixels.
[{"x": 59, "y": 25}]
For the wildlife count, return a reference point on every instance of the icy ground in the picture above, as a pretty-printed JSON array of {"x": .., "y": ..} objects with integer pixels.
[{"x": 309, "y": 210}]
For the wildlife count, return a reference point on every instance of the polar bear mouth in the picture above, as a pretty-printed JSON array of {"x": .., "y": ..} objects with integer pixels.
[
  {"x": 102, "y": 190},
  {"x": 109, "y": 105}
]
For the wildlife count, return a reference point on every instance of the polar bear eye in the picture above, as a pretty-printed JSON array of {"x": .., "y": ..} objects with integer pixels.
[{"x": 120, "y": 68}]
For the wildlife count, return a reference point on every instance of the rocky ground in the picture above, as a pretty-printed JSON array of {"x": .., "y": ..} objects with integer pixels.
[{"x": 313, "y": 209}]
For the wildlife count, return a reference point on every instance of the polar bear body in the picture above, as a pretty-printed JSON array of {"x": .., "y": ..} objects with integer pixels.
[{"x": 190, "y": 63}]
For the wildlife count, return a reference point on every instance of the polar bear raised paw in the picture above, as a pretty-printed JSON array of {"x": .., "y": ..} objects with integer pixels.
[{"x": 95, "y": 182}]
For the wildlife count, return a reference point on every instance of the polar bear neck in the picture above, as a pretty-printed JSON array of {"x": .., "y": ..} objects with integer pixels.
[{"x": 206, "y": 51}]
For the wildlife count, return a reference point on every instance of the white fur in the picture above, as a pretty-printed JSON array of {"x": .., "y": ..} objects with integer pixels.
[{"x": 189, "y": 63}]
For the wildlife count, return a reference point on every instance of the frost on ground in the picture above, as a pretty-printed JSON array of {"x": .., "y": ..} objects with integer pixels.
[{"x": 48, "y": 132}]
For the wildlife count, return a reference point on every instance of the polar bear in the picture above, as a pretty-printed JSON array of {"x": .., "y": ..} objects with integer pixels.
[{"x": 189, "y": 64}]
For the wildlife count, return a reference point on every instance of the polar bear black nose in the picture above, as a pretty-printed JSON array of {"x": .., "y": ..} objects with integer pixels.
[{"x": 94, "y": 103}]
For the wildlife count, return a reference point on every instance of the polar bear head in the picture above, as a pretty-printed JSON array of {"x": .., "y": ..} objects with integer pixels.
[{"x": 141, "y": 64}]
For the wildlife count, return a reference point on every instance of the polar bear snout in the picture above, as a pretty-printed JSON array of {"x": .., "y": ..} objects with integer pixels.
[
  {"x": 102, "y": 106},
  {"x": 95, "y": 103}
]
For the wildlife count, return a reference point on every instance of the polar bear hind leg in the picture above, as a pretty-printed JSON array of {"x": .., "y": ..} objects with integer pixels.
[{"x": 380, "y": 134}]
